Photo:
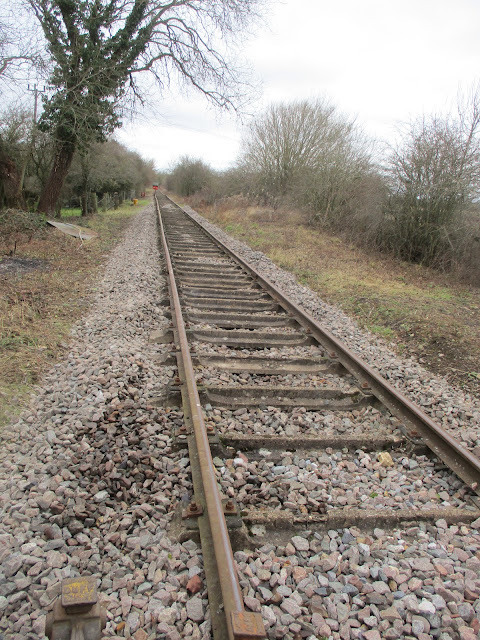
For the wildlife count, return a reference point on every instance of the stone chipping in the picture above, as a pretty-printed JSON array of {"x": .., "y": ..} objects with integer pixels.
[
  {"x": 308, "y": 482},
  {"x": 420, "y": 582},
  {"x": 90, "y": 484},
  {"x": 273, "y": 421},
  {"x": 88, "y": 479},
  {"x": 457, "y": 411}
]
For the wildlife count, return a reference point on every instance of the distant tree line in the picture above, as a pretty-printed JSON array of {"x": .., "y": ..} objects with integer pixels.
[{"x": 418, "y": 199}]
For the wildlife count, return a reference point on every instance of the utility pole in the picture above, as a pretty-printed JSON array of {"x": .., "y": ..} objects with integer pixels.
[{"x": 36, "y": 92}]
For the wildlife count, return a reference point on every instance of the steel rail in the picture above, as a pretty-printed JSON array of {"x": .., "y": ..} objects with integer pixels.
[
  {"x": 446, "y": 447},
  {"x": 241, "y": 625}
]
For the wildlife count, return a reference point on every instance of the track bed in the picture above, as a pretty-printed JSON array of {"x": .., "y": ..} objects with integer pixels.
[{"x": 312, "y": 458}]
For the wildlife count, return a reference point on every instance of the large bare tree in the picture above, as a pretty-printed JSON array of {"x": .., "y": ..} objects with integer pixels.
[
  {"x": 434, "y": 177},
  {"x": 99, "y": 48},
  {"x": 307, "y": 150}
]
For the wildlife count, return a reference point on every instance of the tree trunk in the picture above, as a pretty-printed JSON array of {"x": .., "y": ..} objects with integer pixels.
[
  {"x": 94, "y": 201},
  {"x": 84, "y": 203},
  {"x": 54, "y": 184},
  {"x": 10, "y": 196},
  {"x": 85, "y": 199}
]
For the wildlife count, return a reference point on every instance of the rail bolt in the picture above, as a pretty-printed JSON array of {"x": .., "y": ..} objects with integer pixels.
[
  {"x": 77, "y": 613},
  {"x": 230, "y": 507},
  {"x": 333, "y": 354},
  {"x": 365, "y": 385},
  {"x": 193, "y": 510}
]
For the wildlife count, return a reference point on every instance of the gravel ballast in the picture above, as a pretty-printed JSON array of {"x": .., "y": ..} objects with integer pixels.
[
  {"x": 88, "y": 479},
  {"x": 453, "y": 409},
  {"x": 89, "y": 484}
]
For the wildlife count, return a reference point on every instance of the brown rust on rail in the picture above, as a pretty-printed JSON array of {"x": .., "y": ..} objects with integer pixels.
[
  {"x": 461, "y": 461},
  {"x": 240, "y": 624}
]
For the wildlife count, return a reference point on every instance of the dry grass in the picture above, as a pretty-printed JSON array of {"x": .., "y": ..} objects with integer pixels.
[
  {"x": 38, "y": 306},
  {"x": 420, "y": 310}
]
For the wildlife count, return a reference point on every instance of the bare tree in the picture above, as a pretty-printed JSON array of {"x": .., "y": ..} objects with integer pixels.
[
  {"x": 99, "y": 48},
  {"x": 189, "y": 176},
  {"x": 20, "y": 55},
  {"x": 433, "y": 175},
  {"x": 308, "y": 151},
  {"x": 15, "y": 130},
  {"x": 20, "y": 51}
]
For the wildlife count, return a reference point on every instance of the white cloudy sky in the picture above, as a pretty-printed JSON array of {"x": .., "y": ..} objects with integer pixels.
[{"x": 383, "y": 61}]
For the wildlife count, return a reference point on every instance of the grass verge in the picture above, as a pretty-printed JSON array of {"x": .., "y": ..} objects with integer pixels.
[
  {"x": 43, "y": 292},
  {"x": 419, "y": 310}
]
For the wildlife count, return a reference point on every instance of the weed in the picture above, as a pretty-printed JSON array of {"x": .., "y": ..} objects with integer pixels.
[
  {"x": 38, "y": 307},
  {"x": 384, "y": 332},
  {"x": 73, "y": 212},
  {"x": 19, "y": 227},
  {"x": 11, "y": 342}
]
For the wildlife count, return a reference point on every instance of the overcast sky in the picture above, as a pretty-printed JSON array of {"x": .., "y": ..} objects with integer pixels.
[{"x": 381, "y": 61}]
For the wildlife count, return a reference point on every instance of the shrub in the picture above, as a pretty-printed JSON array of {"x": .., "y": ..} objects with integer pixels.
[
  {"x": 309, "y": 152},
  {"x": 17, "y": 226},
  {"x": 434, "y": 177},
  {"x": 189, "y": 176}
]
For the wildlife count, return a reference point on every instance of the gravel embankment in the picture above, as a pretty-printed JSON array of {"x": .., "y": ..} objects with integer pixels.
[
  {"x": 88, "y": 480},
  {"x": 89, "y": 484}
]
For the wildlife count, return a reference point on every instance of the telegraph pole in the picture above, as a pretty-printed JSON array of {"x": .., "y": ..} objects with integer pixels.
[{"x": 36, "y": 92}]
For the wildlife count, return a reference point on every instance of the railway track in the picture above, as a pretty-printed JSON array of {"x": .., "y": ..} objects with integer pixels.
[{"x": 284, "y": 423}]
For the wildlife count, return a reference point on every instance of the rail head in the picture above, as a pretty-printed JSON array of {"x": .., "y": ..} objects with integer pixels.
[
  {"x": 459, "y": 459},
  {"x": 241, "y": 624}
]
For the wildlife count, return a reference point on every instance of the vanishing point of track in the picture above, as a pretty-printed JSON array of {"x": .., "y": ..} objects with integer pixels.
[{"x": 261, "y": 350}]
